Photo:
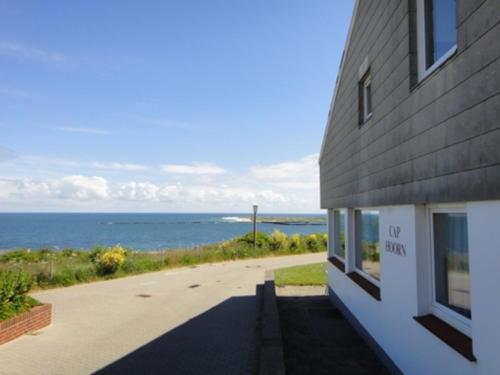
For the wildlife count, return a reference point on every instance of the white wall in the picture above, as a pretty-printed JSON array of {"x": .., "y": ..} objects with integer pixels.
[
  {"x": 484, "y": 245},
  {"x": 403, "y": 292}
]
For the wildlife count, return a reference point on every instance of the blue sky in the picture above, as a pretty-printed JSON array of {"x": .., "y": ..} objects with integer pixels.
[{"x": 165, "y": 105}]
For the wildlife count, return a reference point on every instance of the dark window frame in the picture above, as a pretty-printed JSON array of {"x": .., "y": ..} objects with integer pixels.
[{"x": 365, "y": 101}]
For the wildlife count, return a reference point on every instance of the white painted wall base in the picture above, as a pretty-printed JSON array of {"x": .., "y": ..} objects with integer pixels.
[{"x": 405, "y": 294}]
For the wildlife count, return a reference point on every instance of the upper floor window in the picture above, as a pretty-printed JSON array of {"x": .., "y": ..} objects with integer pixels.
[
  {"x": 365, "y": 98},
  {"x": 367, "y": 243},
  {"x": 437, "y": 33}
]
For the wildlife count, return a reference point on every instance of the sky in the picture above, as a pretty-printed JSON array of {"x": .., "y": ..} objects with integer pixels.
[{"x": 166, "y": 106}]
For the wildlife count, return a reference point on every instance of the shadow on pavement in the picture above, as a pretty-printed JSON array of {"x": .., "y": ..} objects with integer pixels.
[
  {"x": 318, "y": 340},
  {"x": 222, "y": 340}
]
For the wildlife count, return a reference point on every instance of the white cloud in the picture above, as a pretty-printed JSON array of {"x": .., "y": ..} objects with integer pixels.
[
  {"x": 95, "y": 188},
  {"x": 271, "y": 197},
  {"x": 7, "y": 189},
  {"x": 137, "y": 191},
  {"x": 51, "y": 162},
  {"x": 76, "y": 187},
  {"x": 72, "y": 129},
  {"x": 298, "y": 185},
  {"x": 82, "y": 188},
  {"x": 23, "y": 52},
  {"x": 131, "y": 167},
  {"x": 292, "y": 170},
  {"x": 291, "y": 186},
  {"x": 194, "y": 169}
]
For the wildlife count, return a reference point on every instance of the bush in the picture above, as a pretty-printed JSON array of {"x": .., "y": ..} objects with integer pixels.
[
  {"x": 108, "y": 261},
  {"x": 141, "y": 264},
  {"x": 324, "y": 239},
  {"x": 261, "y": 239},
  {"x": 63, "y": 276},
  {"x": 14, "y": 287},
  {"x": 278, "y": 240},
  {"x": 312, "y": 243},
  {"x": 295, "y": 243},
  {"x": 96, "y": 253}
]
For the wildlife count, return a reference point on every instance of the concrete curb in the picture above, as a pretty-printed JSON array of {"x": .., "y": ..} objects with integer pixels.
[{"x": 271, "y": 361}]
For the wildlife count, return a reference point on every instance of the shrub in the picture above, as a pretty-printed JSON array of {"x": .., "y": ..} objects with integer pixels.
[
  {"x": 278, "y": 240},
  {"x": 84, "y": 273},
  {"x": 324, "y": 239},
  {"x": 187, "y": 260},
  {"x": 295, "y": 243},
  {"x": 14, "y": 287},
  {"x": 108, "y": 261},
  {"x": 261, "y": 239},
  {"x": 141, "y": 264},
  {"x": 95, "y": 253},
  {"x": 63, "y": 276},
  {"x": 312, "y": 243}
]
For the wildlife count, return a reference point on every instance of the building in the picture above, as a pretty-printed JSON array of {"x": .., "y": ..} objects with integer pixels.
[{"x": 410, "y": 176}]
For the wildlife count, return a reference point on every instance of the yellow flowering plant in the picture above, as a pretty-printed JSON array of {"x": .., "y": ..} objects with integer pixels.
[{"x": 110, "y": 260}]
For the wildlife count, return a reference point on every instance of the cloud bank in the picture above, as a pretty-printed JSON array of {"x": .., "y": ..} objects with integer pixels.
[
  {"x": 194, "y": 169},
  {"x": 289, "y": 186}
]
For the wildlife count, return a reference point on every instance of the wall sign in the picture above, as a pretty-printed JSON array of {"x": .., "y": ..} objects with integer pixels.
[{"x": 394, "y": 246}]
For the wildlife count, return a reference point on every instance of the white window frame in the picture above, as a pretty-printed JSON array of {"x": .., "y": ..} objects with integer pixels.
[
  {"x": 458, "y": 321},
  {"x": 336, "y": 240},
  {"x": 367, "y": 276},
  {"x": 330, "y": 228},
  {"x": 423, "y": 71}
]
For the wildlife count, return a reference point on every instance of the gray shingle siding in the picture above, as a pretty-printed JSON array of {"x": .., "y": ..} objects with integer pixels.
[{"x": 437, "y": 140}]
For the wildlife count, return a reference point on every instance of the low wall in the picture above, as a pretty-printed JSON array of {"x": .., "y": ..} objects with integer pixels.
[{"x": 35, "y": 319}]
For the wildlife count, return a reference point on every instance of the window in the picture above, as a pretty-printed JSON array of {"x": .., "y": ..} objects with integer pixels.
[
  {"x": 437, "y": 35},
  {"x": 450, "y": 274},
  {"x": 367, "y": 243},
  {"x": 365, "y": 98},
  {"x": 339, "y": 233}
]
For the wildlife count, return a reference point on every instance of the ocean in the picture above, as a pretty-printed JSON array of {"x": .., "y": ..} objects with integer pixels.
[{"x": 137, "y": 231}]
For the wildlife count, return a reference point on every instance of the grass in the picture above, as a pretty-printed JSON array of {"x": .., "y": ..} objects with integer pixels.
[
  {"x": 309, "y": 274},
  {"x": 50, "y": 268}
]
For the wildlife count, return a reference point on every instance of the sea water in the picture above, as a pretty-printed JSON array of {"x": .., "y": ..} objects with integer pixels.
[{"x": 137, "y": 231}]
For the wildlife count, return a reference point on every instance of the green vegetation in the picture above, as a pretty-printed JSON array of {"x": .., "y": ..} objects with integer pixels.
[
  {"x": 14, "y": 286},
  {"x": 309, "y": 274},
  {"x": 49, "y": 268},
  {"x": 110, "y": 260},
  {"x": 289, "y": 220}
]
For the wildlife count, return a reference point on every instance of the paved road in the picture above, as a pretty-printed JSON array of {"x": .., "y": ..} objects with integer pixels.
[{"x": 185, "y": 321}]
